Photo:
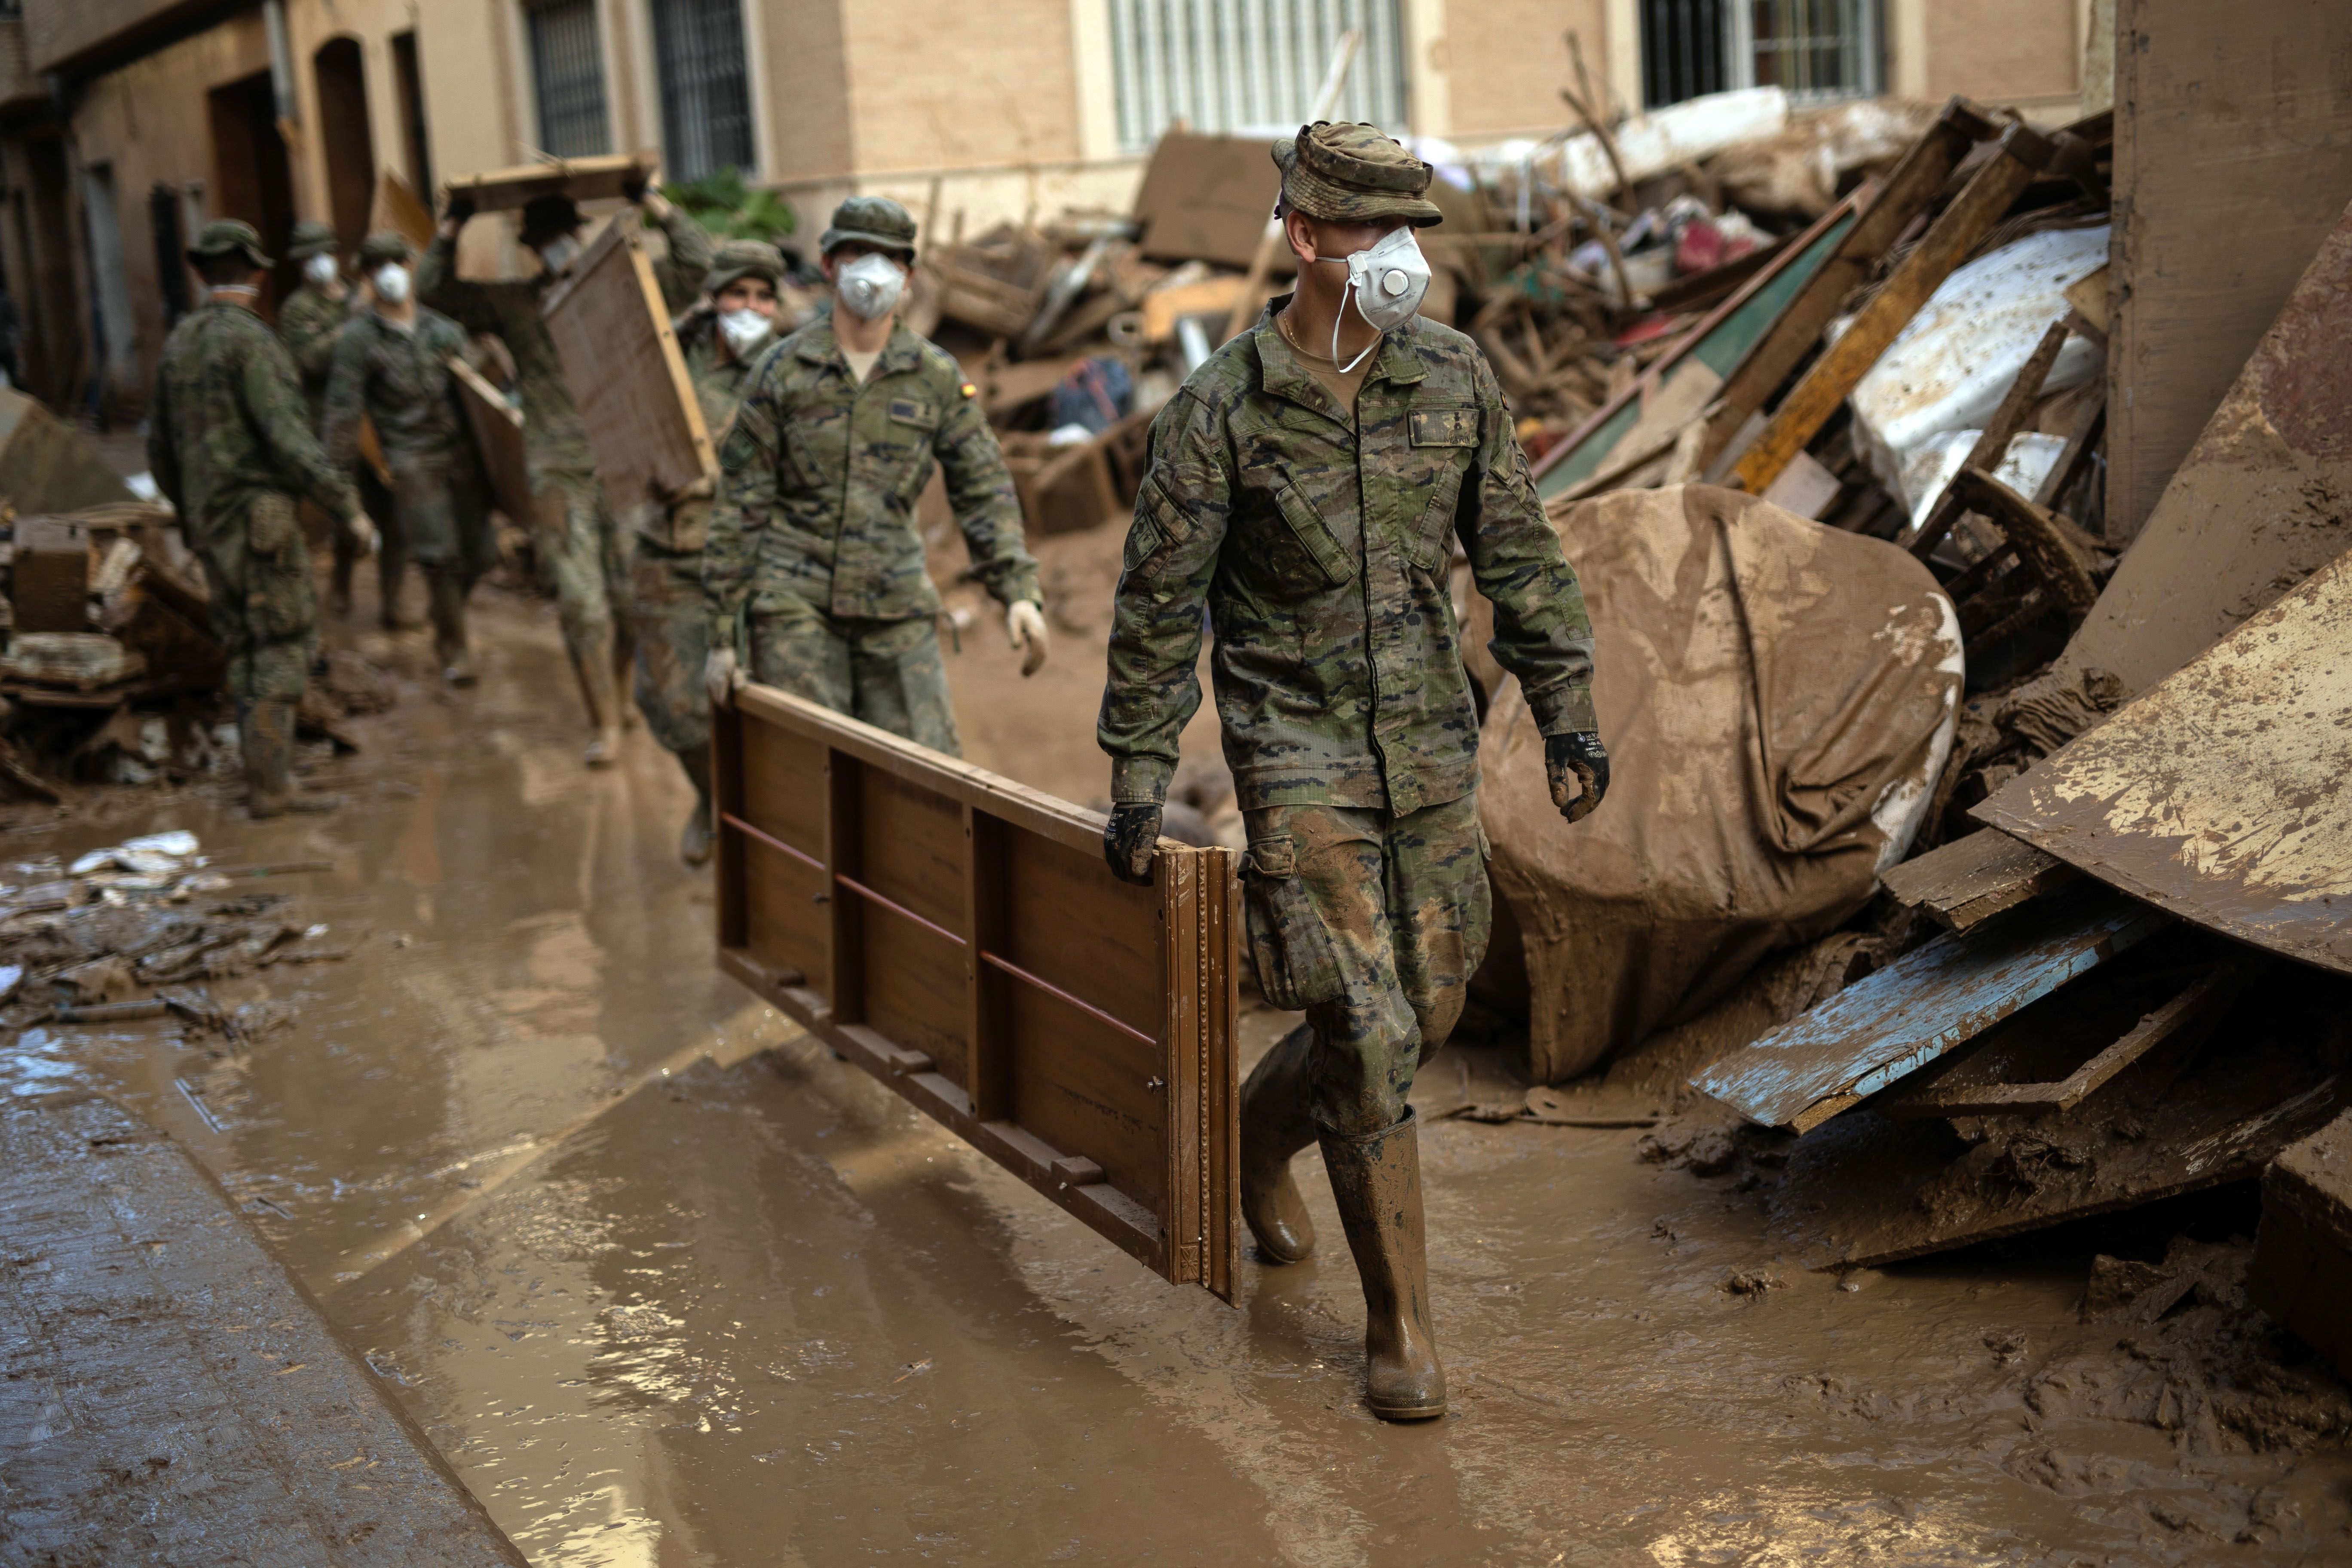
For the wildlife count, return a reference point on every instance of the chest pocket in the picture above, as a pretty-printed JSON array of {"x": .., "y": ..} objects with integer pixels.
[
  {"x": 1444, "y": 438},
  {"x": 1313, "y": 536},
  {"x": 915, "y": 411}
]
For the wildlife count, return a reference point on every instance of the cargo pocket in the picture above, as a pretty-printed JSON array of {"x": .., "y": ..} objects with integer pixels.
[
  {"x": 1427, "y": 549},
  {"x": 270, "y": 526},
  {"x": 1152, "y": 533},
  {"x": 1314, "y": 536},
  {"x": 1289, "y": 943}
]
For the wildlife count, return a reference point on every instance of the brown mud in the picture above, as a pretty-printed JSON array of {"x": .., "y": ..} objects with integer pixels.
[{"x": 668, "y": 1284}]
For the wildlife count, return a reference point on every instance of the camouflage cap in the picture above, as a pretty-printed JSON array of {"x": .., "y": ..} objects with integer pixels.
[
  {"x": 876, "y": 221},
  {"x": 740, "y": 259},
  {"x": 310, "y": 237},
  {"x": 385, "y": 245},
  {"x": 1353, "y": 173},
  {"x": 226, "y": 236}
]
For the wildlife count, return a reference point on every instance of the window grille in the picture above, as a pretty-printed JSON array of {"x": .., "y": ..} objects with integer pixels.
[
  {"x": 706, "y": 92},
  {"x": 1254, "y": 64},
  {"x": 1817, "y": 50},
  {"x": 568, "y": 76}
]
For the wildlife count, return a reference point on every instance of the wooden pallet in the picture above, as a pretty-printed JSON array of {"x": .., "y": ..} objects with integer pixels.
[{"x": 958, "y": 936}]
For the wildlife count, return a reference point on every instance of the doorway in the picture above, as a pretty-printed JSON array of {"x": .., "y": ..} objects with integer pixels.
[
  {"x": 345, "y": 139},
  {"x": 251, "y": 176}
]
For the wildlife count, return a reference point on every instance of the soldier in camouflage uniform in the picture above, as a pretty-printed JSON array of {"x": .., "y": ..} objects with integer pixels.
[
  {"x": 720, "y": 338},
  {"x": 309, "y": 322},
  {"x": 1312, "y": 498},
  {"x": 575, "y": 532},
  {"x": 814, "y": 536},
  {"x": 391, "y": 365},
  {"x": 229, "y": 442}
]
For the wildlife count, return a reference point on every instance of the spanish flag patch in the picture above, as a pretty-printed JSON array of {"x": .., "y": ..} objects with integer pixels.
[{"x": 968, "y": 390}]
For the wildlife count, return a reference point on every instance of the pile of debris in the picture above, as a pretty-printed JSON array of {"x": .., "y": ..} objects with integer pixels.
[{"x": 132, "y": 932}]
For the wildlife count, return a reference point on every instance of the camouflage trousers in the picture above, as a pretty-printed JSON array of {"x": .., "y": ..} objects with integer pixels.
[
  {"x": 581, "y": 555},
  {"x": 264, "y": 610},
  {"x": 886, "y": 673},
  {"x": 673, "y": 640},
  {"x": 1373, "y": 923}
]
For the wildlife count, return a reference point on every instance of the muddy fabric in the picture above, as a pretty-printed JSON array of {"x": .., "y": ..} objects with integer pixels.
[
  {"x": 666, "y": 592},
  {"x": 886, "y": 673},
  {"x": 581, "y": 550},
  {"x": 228, "y": 421},
  {"x": 262, "y": 607},
  {"x": 1373, "y": 923},
  {"x": 1318, "y": 544},
  {"x": 1779, "y": 698},
  {"x": 308, "y": 324},
  {"x": 820, "y": 475},
  {"x": 401, "y": 381}
]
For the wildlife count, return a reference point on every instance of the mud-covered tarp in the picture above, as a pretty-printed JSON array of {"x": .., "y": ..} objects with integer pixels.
[{"x": 1777, "y": 699}]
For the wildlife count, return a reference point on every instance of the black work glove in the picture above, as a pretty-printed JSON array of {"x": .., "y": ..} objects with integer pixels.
[
  {"x": 1129, "y": 839},
  {"x": 634, "y": 188},
  {"x": 460, "y": 206},
  {"x": 1583, "y": 757}
]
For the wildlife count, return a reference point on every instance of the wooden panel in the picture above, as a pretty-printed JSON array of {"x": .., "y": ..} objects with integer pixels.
[
  {"x": 2233, "y": 158},
  {"x": 498, "y": 436},
  {"x": 1970, "y": 879},
  {"x": 626, "y": 373},
  {"x": 958, "y": 936},
  {"x": 599, "y": 178}
]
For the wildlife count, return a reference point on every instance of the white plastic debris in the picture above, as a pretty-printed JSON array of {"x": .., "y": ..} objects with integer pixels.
[{"x": 2023, "y": 468}]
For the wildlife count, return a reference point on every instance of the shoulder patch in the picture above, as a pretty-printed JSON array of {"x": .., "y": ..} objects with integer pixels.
[
  {"x": 968, "y": 390},
  {"x": 736, "y": 453}
]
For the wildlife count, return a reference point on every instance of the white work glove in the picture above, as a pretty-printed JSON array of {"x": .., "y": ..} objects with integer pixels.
[
  {"x": 721, "y": 677},
  {"x": 361, "y": 529},
  {"x": 1024, "y": 623}
]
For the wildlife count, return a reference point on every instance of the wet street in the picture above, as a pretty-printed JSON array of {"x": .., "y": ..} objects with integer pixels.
[{"x": 668, "y": 1284}]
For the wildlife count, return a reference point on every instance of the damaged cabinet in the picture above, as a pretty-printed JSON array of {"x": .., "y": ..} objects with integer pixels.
[{"x": 959, "y": 937}]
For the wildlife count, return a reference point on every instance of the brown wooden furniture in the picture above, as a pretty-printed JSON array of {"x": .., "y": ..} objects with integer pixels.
[
  {"x": 498, "y": 436},
  {"x": 599, "y": 178},
  {"x": 958, "y": 936}
]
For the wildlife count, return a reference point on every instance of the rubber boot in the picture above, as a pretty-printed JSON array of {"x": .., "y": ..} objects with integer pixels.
[
  {"x": 592, "y": 663},
  {"x": 1376, "y": 1180},
  {"x": 447, "y": 591},
  {"x": 266, "y": 733},
  {"x": 1276, "y": 1124},
  {"x": 390, "y": 574},
  {"x": 694, "y": 844}
]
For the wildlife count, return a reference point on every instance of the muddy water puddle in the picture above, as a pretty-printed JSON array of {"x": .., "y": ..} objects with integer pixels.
[{"x": 669, "y": 1284}]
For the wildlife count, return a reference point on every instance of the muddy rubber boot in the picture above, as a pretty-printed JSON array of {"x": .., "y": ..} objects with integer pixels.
[
  {"x": 266, "y": 733},
  {"x": 694, "y": 843},
  {"x": 625, "y": 669},
  {"x": 391, "y": 576},
  {"x": 1275, "y": 1125},
  {"x": 1376, "y": 1180},
  {"x": 592, "y": 663},
  {"x": 447, "y": 601}
]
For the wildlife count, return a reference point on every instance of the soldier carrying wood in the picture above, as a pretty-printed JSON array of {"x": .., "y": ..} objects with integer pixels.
[
  {"x": 814, "y": 538},
  {"x": 1308, "y": 485}
]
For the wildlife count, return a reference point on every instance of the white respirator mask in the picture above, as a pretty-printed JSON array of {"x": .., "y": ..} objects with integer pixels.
[
  {"x": 392, "y": 283},
  {"x": 320, "y": 269},
  {"x": 560, "y": 252},
  {"x": 869, "y": 286},
  {"x": 1386, "y": 281},
  {"x": 744, "y": 330}
]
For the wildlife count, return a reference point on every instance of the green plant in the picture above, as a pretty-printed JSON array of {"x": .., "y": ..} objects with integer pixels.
[{"x": 722, "y": 202}]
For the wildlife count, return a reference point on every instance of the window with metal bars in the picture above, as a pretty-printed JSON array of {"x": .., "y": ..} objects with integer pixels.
[
  {"x": 1817, "y": 50},
  {"x": 1254, "y": 64},
  {"x": 706, "y": 90},
  {"x": 567, "y": 70}
]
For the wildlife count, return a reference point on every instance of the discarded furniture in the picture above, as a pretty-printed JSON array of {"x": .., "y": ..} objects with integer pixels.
[
  {"x": 599, "y": 178},
  {"x": 496, "y": 424},
  {"x": 49, "y": 582},
  {"x": 958, "y": 936},
  {"x": 2302, "y": 1269}
]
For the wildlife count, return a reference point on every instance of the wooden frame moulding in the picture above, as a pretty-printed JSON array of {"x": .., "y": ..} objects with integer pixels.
[{"x": 958, "y": 936}]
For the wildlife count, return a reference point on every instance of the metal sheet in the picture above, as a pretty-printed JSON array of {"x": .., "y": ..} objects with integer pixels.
[
  {"x": 2225, "y": 793},
  {"x": 1926, "y": 1003}
]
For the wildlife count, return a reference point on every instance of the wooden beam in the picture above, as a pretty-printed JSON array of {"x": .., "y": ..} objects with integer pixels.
[
  {"x": 1970, "y": 879},
  {"x": 1982, "y": 203}
]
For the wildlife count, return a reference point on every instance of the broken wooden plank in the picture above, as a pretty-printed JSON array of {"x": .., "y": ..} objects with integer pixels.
[
  {"x": 957, "y": 935},
  {"x": 1887, "y": 1026},
  {"x": 496, "y": 425},
  {"x": 1970, "y": 879},
  {"x": 1992, "y": 442},
  {"x": 2225, "y": 794},
  {"x": 2021, "y": 153},
  {"x": 2302, "y": 1268},
  {"x": 2042, "y": 546}
]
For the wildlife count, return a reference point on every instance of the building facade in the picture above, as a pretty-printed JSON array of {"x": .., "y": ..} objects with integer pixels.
[{"x": 126, "y": 123}]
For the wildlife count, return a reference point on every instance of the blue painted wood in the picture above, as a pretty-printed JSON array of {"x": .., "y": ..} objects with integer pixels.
[{"x": 1931, "y": 999}]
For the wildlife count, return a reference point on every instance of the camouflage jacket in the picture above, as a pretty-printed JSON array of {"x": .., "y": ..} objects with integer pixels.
[
  {"x": 718, "y": 378},
  {"x": 401, "y": 381},
  {"x": 551, "y": 435},
  {"x": 228, "y": 421},
  {"x": 309, "y": 322},
  {"x": 1323, "y": 548},
  {"x": 818, "y": 482}
]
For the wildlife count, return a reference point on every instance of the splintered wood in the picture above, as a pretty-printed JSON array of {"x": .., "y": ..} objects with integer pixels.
[
  {"x": 958, "y": 936},
  {"x": 627, "y": 376}
]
